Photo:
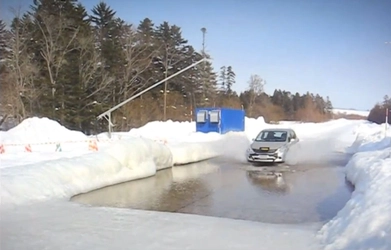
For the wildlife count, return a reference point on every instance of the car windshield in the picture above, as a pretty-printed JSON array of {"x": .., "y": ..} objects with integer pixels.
[{"x": 272, "y": 136}]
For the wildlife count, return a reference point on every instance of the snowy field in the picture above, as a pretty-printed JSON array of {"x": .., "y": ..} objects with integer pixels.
[{"x": 43, "y": 164}]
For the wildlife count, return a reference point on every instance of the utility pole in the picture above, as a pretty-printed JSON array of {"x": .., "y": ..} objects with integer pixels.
[
  {"x": 203, "y": 39},
  {"x": 387, "y": 110},
  {"x": 386, "y": 123},
  {"x": 203, "y": 30}
]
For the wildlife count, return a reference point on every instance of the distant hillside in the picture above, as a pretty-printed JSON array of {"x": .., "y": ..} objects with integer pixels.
[{"x": 363, "y": 113}]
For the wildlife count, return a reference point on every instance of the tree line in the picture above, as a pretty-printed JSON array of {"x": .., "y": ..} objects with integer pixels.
[
  {"x": 379, "y": 111},
  {"x": 59, "y": 61}
]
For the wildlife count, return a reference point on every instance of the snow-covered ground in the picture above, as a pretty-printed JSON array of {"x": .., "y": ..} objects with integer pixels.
[
  {"x": 36, "y": 187},
  {"x": 363, "y": 113}
]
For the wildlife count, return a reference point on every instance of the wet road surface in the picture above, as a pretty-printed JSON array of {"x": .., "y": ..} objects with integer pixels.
[{"x": 221, "y": 188}]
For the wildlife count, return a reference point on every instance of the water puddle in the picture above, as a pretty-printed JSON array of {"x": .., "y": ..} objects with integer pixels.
[{"x": 219, "y": 188}]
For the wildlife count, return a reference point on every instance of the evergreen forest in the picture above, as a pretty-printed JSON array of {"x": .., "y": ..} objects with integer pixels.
[{"x": 61, "y": 61}]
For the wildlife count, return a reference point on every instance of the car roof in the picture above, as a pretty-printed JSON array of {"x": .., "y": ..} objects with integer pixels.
[{"x": 278, "y": 129}]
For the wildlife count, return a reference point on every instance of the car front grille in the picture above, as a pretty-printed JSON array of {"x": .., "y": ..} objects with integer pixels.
[{"x": 264, "y": 151}]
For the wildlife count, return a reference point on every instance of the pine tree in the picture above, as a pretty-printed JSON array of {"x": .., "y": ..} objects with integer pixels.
[
  {"x": 222, "y": 79},
  {"x": 172, "y": 53},
  {"x": 4, "y": 37},
  {"x": 108, "y": 31},
  {"x": 146, "y": 32},
  {"x": 230, "y": 80},
  {"x": 208, "y": 83}
]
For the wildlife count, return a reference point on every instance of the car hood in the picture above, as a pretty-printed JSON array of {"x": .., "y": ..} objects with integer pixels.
[{"x": 271, "y": 145}]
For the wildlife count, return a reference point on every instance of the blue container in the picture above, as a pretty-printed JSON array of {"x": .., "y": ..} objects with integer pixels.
[{"x": 220, "y": 120}]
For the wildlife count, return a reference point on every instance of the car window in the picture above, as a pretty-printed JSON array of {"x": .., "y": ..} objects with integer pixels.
[{"x": 272, "y": 136}]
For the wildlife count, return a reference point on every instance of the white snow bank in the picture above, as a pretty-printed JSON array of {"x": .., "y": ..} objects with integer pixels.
[
  {"x": 375, "y": 141},
  {"x": 121, "y": 161},
  {"x": 365, "y": 221},
  {"x": 63, "y": 178},
  {"x": 168, "y": 129},
  {"x": 232, "y": 146},
  {"x": 42, "y": 135},
  {"x": 39, "y": 130}
]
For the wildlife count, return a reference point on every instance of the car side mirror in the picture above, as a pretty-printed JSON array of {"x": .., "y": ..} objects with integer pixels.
[{"x": 253, "y": 139}]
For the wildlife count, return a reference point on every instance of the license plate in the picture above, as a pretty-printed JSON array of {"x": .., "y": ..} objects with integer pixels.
[
  {"x": 260, "y": 156},
  {"x": 265, "y": 149}
]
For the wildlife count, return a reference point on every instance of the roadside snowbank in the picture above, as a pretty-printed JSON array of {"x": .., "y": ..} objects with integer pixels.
[
  {"x": 375, "y": 141},
  {"x": 63, "y": 178},
  {"x": 122, "y": 161},
  {"x": 365, "y": 221}
]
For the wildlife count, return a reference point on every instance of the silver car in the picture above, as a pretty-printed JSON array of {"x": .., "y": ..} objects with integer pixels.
[{"x": 271, "y": 145}]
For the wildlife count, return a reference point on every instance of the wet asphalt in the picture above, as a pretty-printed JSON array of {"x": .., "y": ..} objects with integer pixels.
[{"x": 311, "y": 192}]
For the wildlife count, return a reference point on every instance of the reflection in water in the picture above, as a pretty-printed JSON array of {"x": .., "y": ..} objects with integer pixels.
[
  {"x": 168, "y": 190},
  {"x": 142, "y": 194},
  {"x": 224, "y": 189},
  {"x": 271, "y": 183}
]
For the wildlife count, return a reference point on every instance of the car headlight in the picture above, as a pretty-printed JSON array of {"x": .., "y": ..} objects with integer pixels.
[{"x": 280, "y": 151}]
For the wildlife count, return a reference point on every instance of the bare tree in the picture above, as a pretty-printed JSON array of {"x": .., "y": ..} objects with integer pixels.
[
  {"x": 19, "y": 81},
  {"x": 90, "y": 66},
  {"x": 138, "y": 59},
  {"x": 54, "y": 49},
  {"x": 256, "y": 87}
]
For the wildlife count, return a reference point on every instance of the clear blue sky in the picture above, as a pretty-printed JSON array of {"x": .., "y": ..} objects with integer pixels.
[{"x": 331, "y": 47}]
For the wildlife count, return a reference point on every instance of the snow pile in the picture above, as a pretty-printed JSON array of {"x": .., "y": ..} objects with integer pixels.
[
  {"x": 40, "y": 130},
  {"x": 377, "y": 140},
  {"x": 63, "y": 178},
  {"x": 365, "y": 221},
  {"x": 167, "y": 130},
  {"x": 42, "y": 135}
]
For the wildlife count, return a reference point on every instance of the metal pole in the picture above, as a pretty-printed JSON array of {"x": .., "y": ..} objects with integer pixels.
[
  {"x": 191, "y": 113},
  {"x": 147, "y": 89},
  {"x": 386, "y": 123},
  {"x": 110, "y": 124}
]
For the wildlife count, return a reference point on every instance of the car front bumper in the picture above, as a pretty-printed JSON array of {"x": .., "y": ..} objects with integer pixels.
[{"x": 264, "y": 157}]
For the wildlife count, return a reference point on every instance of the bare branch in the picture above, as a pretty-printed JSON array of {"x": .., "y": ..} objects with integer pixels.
[
  {"x": 22, "y": 72},
  {"x": 54, "y": 51},
  {"x": 138, "y": 59},
  {"x": 256, "y": 87}
]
